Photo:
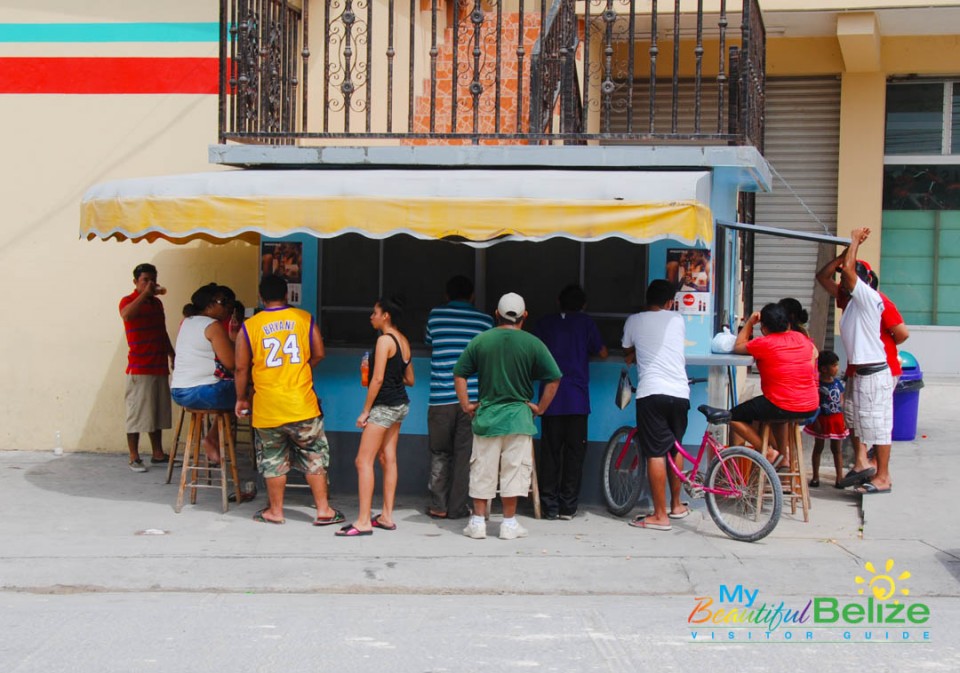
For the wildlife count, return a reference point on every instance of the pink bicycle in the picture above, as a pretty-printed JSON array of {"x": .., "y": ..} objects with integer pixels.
[{"x": 741, "y": 487}]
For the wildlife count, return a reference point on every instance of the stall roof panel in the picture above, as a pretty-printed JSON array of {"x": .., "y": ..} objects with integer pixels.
[{"x": 479, "y": 207}]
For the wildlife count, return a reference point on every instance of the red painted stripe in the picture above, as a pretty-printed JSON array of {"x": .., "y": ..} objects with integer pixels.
[{"x": 67, "y": 75}]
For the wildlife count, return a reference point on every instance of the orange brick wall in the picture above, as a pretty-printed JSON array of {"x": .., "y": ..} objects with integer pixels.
[{"x": 509, "y": 100}]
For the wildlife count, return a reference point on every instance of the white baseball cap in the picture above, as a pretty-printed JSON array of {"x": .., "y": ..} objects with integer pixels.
[{"x": 511, "y": 307}]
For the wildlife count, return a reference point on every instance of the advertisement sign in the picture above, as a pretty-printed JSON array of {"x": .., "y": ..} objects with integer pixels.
[
  {"x": 689, "y": 271},
  {"x": 285, "y": 260}
]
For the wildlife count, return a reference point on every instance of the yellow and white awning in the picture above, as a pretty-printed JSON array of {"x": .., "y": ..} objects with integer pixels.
[{"x": 479, "y": 207}]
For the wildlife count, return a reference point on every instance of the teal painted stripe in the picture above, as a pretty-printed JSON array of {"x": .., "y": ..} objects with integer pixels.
[{"x": 110, "y": 32}]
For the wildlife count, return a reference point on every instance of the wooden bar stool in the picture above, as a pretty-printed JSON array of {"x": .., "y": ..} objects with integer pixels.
[
  {"x": 180, "y": 440},
  {"x": 191, "y": 456},
  {"x": 177, "y": 440},
  {"x": 243, "y": 437},
  {"x": 795, "y": 478}
]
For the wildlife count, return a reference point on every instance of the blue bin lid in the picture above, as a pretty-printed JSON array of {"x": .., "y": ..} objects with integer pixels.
[{"x": 911, "y": 368}]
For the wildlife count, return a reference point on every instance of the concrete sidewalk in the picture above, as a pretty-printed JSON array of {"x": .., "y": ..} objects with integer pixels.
[{"x": 82, "y": 522}]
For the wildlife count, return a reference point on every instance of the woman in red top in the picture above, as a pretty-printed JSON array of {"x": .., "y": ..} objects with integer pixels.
[{"x": 786, "y": 361}]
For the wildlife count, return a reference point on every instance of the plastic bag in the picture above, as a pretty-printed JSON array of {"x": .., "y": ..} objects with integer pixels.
[
  {"x": 625, "y": 389},
  {"x": 723, "y": 342}
]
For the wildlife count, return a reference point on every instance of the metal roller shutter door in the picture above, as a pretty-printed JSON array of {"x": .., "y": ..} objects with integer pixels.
[{"x": 801, "y": 142}]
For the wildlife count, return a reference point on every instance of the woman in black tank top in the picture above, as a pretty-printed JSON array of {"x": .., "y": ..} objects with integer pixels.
[{"x": 387, "y": 404}]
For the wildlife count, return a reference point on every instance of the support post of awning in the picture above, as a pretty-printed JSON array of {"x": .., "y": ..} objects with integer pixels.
[
  {"x": 785, "y": 233},
  {"x": 818, "y": 310}
]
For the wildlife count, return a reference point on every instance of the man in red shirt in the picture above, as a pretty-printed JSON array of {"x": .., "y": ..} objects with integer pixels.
[
  {"x": 893, "y": 331},
  {"x": 150, "y": 351}
]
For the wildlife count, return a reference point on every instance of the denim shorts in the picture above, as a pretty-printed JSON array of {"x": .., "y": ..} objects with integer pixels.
[
  {"x": 387, "y": 416},
  {"x": 219, "y": 395}
]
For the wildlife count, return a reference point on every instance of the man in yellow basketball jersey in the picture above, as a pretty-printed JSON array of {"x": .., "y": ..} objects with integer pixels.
[{"x": 278, "y": 348}]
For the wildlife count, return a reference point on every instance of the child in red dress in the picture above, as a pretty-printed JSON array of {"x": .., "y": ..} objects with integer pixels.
[{"x": 829, "y": 423}]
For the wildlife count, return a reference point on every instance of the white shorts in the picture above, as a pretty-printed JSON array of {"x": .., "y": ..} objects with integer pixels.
[
  {"x": 508, "y": 459},
  {"x": 868, "y": 407}
]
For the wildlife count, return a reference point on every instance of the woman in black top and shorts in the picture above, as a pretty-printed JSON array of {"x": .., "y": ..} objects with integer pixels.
[{"x": 387, "y": 404}]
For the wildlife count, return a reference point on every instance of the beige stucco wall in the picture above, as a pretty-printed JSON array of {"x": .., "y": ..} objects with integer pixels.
[
  {"x": 63, "y": 346},
  {"x": 863, "y": 69}
]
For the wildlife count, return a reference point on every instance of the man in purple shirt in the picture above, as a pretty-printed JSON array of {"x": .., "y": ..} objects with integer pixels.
[{"x": 572, "y": 338}]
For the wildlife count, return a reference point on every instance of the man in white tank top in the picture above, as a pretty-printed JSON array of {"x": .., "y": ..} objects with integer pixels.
[{"x": 869, "y": 406}]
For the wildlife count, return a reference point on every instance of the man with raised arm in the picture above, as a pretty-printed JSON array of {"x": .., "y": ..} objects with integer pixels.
[
  {"x": 149, "y": 361},
  {"x": 868, "y": 404}
]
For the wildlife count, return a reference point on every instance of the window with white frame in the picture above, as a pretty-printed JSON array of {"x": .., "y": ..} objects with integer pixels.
[{"x": 920, "y": 258}]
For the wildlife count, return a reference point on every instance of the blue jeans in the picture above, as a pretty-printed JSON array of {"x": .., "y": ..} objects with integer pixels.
[{"x": 219, "y": 395}]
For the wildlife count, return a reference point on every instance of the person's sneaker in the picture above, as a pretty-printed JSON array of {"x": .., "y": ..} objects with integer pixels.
[
  {"x": 138, "y": 466},
  {"x": 551, "y": 516},
  {"x": 568, "y": 517},
  {"x": 475, "y": 531},
  {"x": 512, "y": 532}
]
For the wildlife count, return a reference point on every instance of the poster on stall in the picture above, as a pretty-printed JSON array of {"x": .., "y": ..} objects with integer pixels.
[
  {"x": 689, "y": 271},
  {"x": 284, "y": 260}
]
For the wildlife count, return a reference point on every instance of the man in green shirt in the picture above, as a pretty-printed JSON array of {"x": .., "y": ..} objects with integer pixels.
[{"x": 507, "y": 361}]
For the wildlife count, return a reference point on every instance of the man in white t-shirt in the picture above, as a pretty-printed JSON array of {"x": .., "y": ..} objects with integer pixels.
[
  {"x": 869, "y": 408},
  {"x": 655, "y": 338}
]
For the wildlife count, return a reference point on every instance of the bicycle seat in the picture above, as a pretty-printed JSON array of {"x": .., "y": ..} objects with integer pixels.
[{"x": 715, "y": 415}]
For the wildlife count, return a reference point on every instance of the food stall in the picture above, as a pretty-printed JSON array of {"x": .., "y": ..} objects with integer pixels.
[{"x": 345, "y": 236}]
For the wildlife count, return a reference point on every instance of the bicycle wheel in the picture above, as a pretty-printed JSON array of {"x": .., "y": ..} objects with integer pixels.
[
  {"x": 623, "y": 471},
  {"x": 750, "y": 509}
]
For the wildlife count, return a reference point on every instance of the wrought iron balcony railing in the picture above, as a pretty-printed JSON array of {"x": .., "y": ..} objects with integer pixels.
[{"x": 492, "y": 71}]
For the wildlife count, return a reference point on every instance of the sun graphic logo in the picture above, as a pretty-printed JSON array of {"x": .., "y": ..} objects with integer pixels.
[{"x": 883, "y": 586}]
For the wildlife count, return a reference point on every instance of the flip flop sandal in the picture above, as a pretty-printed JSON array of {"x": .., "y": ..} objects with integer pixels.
[
  {"x": 681, "y": 515},
  {"x": 337, "y": 517},
  {"x": 376, "y": 523},
  {"x": 262, "y": 519},
  {"x": 245, "y": 496},
  {"x": 869, "y": 489},
  {"x": 436, "y": 515},
  {"x": 641, "y": 522},
  {"x": 855, "y": 477},
  {"x": 351, "y": 531}
]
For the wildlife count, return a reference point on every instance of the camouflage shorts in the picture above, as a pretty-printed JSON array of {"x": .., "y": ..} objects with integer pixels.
[{"x": 302, "y": 445}]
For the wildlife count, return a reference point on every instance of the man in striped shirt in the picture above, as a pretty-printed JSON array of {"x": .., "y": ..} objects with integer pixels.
[
  {"x": 449, "y": 329},
  {"x": 149, "y": 361}
]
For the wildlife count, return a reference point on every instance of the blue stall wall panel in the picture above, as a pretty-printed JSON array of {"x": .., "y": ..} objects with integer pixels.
[{"x": 337, "y": 382}]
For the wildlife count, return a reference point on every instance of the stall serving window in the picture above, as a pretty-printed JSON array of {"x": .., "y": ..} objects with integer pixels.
[{"x": 356, "y": 270}]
